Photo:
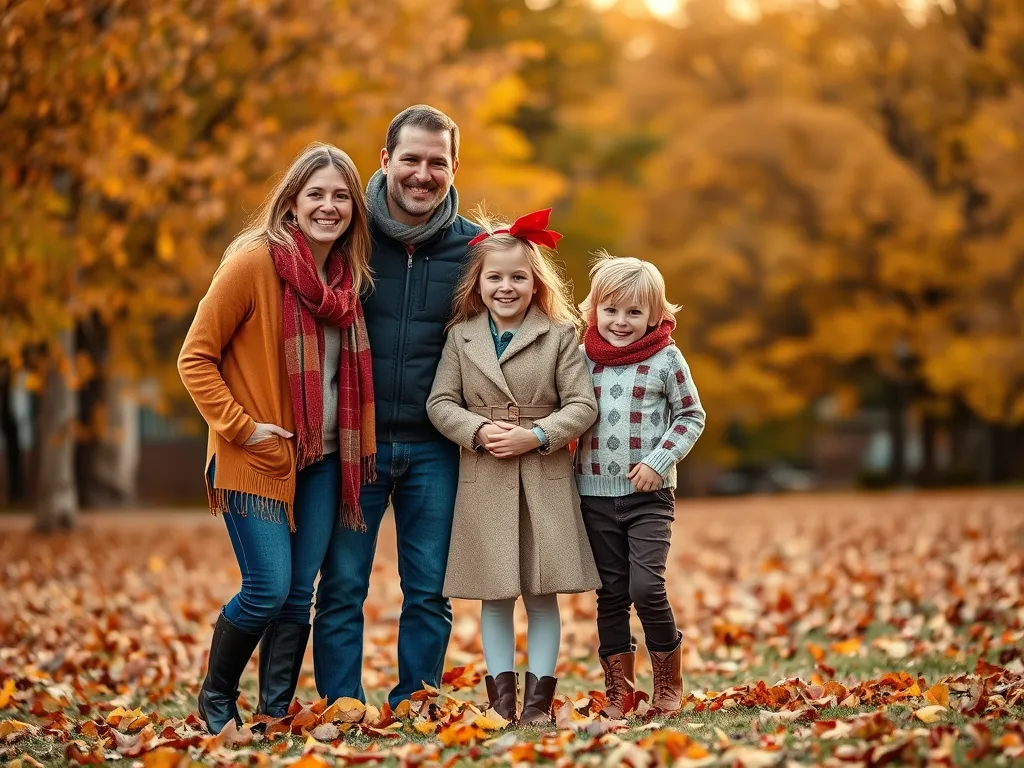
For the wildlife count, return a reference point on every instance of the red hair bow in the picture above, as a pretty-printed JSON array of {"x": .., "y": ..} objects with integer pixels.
[{"x": 533, "y": 227}]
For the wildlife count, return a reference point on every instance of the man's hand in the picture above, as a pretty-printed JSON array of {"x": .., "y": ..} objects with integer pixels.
[
  {"x": 513, "y": 441},
  {"x": 265, "y": 432},
  {"x": 644, "y": 478}
]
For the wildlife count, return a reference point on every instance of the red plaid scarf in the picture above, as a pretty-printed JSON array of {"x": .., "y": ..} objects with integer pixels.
[
  {"x": 600, "y": 351},
  {"x": 307, "y": 304}
]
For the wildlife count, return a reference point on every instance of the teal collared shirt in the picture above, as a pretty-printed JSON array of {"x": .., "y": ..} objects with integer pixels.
[
  {"x": 500, "y": 342},
  {"x": 500, "y": 345}
]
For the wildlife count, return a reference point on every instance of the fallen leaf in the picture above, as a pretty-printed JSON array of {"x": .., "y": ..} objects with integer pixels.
[
  {"x": 930, "y": 714},
  {"x": 344, "y": 710},
  {"x": 12, "y": 730}
]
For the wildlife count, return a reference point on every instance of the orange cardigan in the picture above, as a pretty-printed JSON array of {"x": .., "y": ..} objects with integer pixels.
[{"x": 232, "y": 364}]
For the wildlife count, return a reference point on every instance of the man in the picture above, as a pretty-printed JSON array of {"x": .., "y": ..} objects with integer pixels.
[{"x": 419, "y": 244}]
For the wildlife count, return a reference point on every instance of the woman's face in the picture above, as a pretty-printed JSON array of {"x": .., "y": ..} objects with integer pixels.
[{"x": 323, "y": 207}]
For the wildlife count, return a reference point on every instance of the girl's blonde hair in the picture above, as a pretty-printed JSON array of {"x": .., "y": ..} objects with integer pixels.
[
  {"x": 273, "y": 222},
  {"x": 554, "y": 291},
  {"x": 630, "y": 281}
]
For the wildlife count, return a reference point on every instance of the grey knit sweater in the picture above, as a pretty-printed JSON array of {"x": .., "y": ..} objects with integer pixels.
[
  {"x": 332, "y": 357},
  {"x": 647, "y": 412}
]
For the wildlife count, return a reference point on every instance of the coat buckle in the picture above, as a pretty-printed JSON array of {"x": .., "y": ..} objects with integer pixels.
[{"x": 513, "y": 413}]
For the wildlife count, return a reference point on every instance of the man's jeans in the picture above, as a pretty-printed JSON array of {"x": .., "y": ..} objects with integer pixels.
[
  {"x": 420, "y": 481},
  {"x": 278, "y": 567}
]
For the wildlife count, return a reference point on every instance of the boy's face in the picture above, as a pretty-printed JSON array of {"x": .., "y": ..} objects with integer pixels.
[{"x": 622, "y": 324}]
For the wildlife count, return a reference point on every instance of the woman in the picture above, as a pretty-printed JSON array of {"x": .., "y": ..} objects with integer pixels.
[{"x": 278, "y": 363}]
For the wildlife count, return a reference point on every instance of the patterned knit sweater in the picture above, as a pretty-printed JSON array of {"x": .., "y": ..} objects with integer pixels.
[{"x": 647, "y": 412}]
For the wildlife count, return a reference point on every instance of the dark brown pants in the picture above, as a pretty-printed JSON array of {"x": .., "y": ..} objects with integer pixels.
[{"x": 630, "y": 537}]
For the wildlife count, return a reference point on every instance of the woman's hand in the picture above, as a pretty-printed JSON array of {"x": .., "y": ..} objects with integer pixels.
[
  {"x": 513, "y": 441},
  {"x": 644, "y": 478},
  {"x": 265, "y": 432}
]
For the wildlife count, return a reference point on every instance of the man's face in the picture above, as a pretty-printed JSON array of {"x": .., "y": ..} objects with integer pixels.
[{"x": 420, "y": 172}]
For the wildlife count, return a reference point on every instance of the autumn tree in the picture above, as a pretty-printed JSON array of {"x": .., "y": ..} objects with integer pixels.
[
  {"x": 138, "y": 137},
  {"x": 931, "y": 92}
]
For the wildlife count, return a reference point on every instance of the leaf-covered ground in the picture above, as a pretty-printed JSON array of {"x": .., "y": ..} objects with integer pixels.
[{"x": 836, "y": 630}]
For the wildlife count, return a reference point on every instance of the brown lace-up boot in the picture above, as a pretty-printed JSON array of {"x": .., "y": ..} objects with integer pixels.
[
  {"x": 668, "y": 680},
  {"x": 619, "y": 684},
  {"x": 503, "y": 694}
]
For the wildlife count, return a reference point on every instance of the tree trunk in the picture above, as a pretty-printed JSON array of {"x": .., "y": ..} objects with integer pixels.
[
  {"x": 114, "y": 463},
  {"x": 897, "y": 396},
  {"x": 929, "y": 435},
  {"x": 56, "y": 494},
  {"x": 12, "y": 441},
  {"x": 1002, "y": 452},
  {"x": 106, "y": 460},
  {"x": 91, "y": 342}
]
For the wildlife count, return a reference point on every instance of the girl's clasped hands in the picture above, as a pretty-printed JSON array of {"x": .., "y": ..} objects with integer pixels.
[{"x": 505, "y": 441}]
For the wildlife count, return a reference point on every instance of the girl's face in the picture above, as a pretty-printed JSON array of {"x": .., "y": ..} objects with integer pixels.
[
  {"x": 507, "y": 286},
  {"x": 323, "y": 207},
  {"x": 622, "y": 324}
]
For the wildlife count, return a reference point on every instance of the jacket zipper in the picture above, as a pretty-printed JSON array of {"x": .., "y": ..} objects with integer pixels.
[{"x": 400, "y": 358}]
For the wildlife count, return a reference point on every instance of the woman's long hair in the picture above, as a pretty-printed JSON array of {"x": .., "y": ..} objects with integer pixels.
[
  {"x": 554, "y": 291},
  {"x": 273, "y": 222}
]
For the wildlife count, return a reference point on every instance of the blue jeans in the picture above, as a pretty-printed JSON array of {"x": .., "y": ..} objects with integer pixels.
[
  {"x": 278, "y": 567},
  {"x": 420, "y": 481}
]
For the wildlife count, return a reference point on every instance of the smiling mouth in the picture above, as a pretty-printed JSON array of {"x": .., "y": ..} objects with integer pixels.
[
  {"x": 327, "y": 222},
  {"x": 506, "y": 300},
  {"x": 622, "y": 334}
]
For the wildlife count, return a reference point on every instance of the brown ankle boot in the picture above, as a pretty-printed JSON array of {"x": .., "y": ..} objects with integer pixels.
[
  {"x": 619, "y": 684},
  {"x": 503, "y": 694},
  {"x": 537, "y": 700},
  {"x": 668, "y": 680}
]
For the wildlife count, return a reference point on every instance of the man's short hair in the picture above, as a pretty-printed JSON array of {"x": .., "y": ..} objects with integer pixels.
[{"x": 422, "y": 116}]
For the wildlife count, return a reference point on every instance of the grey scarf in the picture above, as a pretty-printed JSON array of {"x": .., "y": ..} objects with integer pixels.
[{"x": 377, "y": 203}]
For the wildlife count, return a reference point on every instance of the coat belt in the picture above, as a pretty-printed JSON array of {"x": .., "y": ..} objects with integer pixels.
[{"x": 512, "y": 413}]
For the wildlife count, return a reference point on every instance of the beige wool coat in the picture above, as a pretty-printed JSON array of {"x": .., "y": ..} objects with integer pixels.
[{"x": 517, "y": 527}]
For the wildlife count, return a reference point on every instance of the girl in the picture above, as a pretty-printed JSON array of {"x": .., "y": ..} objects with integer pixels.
[
  {"x": 649, "y": 418},
  {"x": 277, "y": 362},
  {"x": 512, "y": 391}
]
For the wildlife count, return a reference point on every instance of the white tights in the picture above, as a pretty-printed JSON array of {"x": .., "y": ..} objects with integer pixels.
[{"x": 543, "y": 635}]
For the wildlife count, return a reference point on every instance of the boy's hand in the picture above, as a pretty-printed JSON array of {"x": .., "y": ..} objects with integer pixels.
[
  {"x": 514, "y": 441},
  {"x": 644, "y": 478}
]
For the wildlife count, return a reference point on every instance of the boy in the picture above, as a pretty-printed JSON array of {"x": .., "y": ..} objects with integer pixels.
[{"x": 649, "y": 417}]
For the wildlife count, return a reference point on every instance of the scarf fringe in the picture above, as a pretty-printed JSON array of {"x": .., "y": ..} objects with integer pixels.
[
  {"x": 368, "y": 469},
  {"x": 352, "y": 514},
  {"x": 352, "y": 517}
]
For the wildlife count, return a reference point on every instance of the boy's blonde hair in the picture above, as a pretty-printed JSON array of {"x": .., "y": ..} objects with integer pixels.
[
  {"x": 627, "y": 280},
  {"x": 554, "y": 291}
]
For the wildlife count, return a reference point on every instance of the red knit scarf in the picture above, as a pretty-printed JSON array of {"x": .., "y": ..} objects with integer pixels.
[
  {"x": 308, "y": 304},
  {"x": 603, "y": 353}
]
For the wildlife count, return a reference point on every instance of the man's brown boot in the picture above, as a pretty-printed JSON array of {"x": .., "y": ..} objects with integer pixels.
[
  {"x": 537, "y": 700},
  {"x": 668, "y": 680},
  {"x": 619, "y": 684},
  {"x": 503, "y": 694}
]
